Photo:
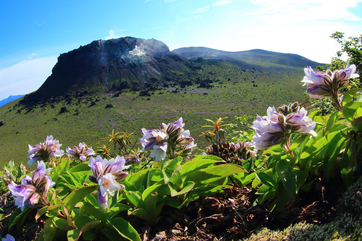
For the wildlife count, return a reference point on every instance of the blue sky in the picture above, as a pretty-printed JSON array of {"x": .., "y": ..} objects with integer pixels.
[{"x": 35, "y": 33}]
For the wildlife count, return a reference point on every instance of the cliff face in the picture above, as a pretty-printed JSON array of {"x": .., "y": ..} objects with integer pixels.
[{"x": 113, "y": 64}]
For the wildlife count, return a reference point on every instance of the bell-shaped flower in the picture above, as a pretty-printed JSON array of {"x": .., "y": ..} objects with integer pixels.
[
  {"x": 167, "y": 140},
  {"x": 301, "y": 119},
  {"x": 43, "y": 151},
  {"x": 159, "y": 152},
  {"x": 34, "y": 189},
  {"x": 81, "y": 153},
  {"x": 327, "y": 84},
  {"x": 276, "y": 128},
  {"x": 106, "y": 174}
]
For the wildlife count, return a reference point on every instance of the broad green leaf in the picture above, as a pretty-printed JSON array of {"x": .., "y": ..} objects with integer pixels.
[
  {"x": 133, "y": 197},
  {"x": 203, "y": 191},
  {"x": 114, "y": 211},
  {"x": 125, "y": 229},
  {"x": 149, "y": 190},
  {"x": 63, "y": 224},
  {"x": 331, "y": 122},
  {"x": 265, "y": 196},
  {"x": 275, "y": 150},
  {"x": 168, "y": 169},
  {"x": 213, "y": 173},
  {"x": 176, "y": 179},
  {"x": 256, "y": 182},
  {"x": 349, "y": 95},
  {"x": 350, "y": 108},
  {"x": 83, "y": 223},
  {"x": 298, "y": 142},
  {"x": 78, "y": 195},
  {"x": 315, "y": 147},
  {"x": 197, "y": 164},
  {"x": 286, "y": 175},
  {"x": 248, "y": 178},
  {"x": 49, "y": 230},
  {"x": 263, "y": 189},
  {"x": 59, "y": 170},
  {"x": 187, "y": 188},
  {"x": 41, "y": 212},
  {"x": 96, "y": 211},
  {"x": 265, "y": 179},
  {"x": 80, "y": 168}
]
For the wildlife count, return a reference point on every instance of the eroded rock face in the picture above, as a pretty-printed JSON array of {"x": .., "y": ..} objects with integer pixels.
[{"x": 112, "y": 64}]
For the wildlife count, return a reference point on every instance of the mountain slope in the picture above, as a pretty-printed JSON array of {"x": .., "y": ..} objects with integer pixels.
[
  {"x": 255, "y": 56},
  {"x": 112, "y": 64}
]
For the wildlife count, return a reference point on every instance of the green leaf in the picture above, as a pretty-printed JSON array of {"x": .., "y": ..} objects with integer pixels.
[
  {"x": 249, "y": 178},
  {"x": 199, "y": 163},
  {"x": 78, "y": 195},
  {"x": 350, "y": 109},
  {"x": 275, "y": 150},
  {"x": 263, "y": 189},
  {"x": 49, "y": 230},
  {"x": 286, "y": 175},
  {"x": 112, "y": 212},
  {"x": 80, "y": 168},
  {"x": 213, "y": 173},
  {"x": 20, "y": 218},
  {"x": 59, "y": 170},
  {"x": 331, "y": 122},
  {"x": 265, "y": 196},
  {"x": 187, "y": 188},
  {"x": 265, "y": 179},
  {"x": 83, "y": 223},
  {"x": 168, "y": 169},
  {"x": 133, "y": 197},
  {"x": 63, "y": 224},
  {"x": 349, "y": 95},
  {"x": 124, "y": 228},
  {"x": 176, "y": 179}
]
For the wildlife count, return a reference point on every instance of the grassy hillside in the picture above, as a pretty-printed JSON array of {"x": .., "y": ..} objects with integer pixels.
[{"x": 217, "y": 90}]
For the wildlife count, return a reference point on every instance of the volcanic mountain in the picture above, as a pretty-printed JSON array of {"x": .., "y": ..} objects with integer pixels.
[
  {"x": 147, "y": 64},
  {"x": 112, "y": 64}
]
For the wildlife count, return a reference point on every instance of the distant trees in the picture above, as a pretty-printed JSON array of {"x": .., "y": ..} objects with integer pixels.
[{"x": 352, "y": 46}]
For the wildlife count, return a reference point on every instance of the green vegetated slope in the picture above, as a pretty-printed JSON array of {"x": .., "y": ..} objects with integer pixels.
[{"x": 228, "y": 90}]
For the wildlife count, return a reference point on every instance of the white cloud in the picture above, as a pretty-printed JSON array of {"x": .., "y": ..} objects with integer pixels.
[
  {"x": 25, "y": 77},
  {"x": 204, "y": 9},
  {"x": 281, "y": 11},
  {"x": 201, "y": 10},
  {"x": 222, "y": 2}
]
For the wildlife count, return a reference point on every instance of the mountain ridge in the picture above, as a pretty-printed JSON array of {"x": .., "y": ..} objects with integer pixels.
[{"x": 253, "y": 56}]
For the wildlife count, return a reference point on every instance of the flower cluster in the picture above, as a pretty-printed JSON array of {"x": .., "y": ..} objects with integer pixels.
[
  {"x": 81, "y": 153},
  {"x": 327, "y": 84},
  {"x": 106, "y": 174},
  {"x": 276, "y": 128},
  {"x": 167, "y": 140},
  {"x": 44, "y": 150},
  {"x": 32, "y": 190}
]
